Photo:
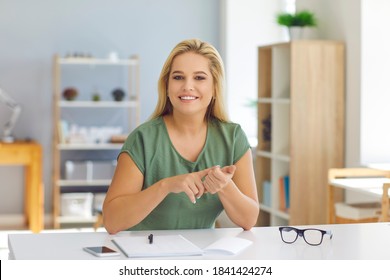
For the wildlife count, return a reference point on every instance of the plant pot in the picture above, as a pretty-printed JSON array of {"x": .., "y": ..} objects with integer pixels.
[
  {"x": 295, "y": 33},
  {"x": 118, "y": 94}
]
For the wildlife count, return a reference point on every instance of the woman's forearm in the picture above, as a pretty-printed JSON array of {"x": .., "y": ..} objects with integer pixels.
[
  {"x": 241, "y": 209},
  {"x": 123, "y": 212}
]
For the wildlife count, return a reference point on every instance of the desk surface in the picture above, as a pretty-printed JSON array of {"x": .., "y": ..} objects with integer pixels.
[
  {"x": 371, "y": 186},
  {"x": 350, "y": 241}
]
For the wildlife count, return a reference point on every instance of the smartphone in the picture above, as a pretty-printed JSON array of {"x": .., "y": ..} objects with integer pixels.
[{"x": 101, "y": 251}]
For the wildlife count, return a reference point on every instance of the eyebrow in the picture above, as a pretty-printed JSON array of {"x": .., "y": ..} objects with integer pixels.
[{"x": 181, "y": 72}]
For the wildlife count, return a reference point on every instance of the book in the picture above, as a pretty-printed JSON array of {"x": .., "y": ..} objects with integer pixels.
[
  {"x": 267, "y": 193},
  {"x": 176, "y": 245},
  {"x": 286, "y": 180},
  {"x": 282, "y": 195},
  {"x": 63, "y": 131}
]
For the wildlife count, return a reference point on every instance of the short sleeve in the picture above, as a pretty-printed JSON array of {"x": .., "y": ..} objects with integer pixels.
[
  {"x": 241, "y": 143},
  {"x": 134, "y": 146}
]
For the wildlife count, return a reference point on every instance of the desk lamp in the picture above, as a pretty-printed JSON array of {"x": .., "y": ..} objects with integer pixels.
[{"x": 16, "y": 110}]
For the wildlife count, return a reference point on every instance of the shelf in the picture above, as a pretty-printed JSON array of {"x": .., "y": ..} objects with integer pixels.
[
  {"x": 277, "y": 213},
  {"x": 265, "y": 154},
  {"x": 75, "y": 220},
  {"x": 270, "y": 155},
  {"x": 97, "y": 61},
  {"x": 104, "y": 146},
  {"x": 274, "y": 100},
  {"x": 97, "y": 104},
  {"x": 83, "y": 183},
  {"x": 89, "y": 131}
]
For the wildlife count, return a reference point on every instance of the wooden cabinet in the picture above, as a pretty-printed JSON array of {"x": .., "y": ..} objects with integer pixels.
[
  {"x": 28, "y": 154},
  {"x": 89, "y": 131},
  {"x": 300, "y": 128}
]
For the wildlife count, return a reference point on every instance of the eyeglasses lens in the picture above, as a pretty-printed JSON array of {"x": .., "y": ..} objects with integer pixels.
[
  {"x": 313, "y": 237},
  {"x": 289, "y": 235}
]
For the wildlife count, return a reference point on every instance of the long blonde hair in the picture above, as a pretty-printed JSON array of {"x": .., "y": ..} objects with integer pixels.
[{"x": 216, "y": 108}]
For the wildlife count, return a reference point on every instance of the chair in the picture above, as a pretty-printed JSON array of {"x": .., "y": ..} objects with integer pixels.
[
  {"x": 385, "y": 203},
  {"x": 333, "y": 195},
  {"x": 99, "y": 220}
]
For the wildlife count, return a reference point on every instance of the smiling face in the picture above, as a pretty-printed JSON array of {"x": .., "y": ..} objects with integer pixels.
[{"x": 190, "y": 84}]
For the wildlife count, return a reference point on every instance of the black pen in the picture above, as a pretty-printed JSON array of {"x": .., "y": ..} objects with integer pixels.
[{"x": 150, "y": 237}]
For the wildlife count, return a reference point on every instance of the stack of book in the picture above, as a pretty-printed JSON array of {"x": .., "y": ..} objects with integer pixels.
[{"x": 284, "y": 193}]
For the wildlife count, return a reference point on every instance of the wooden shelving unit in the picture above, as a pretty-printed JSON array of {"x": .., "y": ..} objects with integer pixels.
[
  {"x": 90, "y": 75},
  {"x": 301, "y": 91}
]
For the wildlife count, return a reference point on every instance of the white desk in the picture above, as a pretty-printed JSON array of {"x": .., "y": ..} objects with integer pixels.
[
  {"x": 374, "y": 187},
  {"x": 368, "y": 186},
  {"x": 350, "y": 241}
]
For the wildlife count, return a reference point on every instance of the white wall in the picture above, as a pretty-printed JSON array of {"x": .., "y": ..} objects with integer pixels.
[
  {"x": 248, "y": 24},
  {"x": 362, "y": 25},
  {"x": 375, "y": 90}
]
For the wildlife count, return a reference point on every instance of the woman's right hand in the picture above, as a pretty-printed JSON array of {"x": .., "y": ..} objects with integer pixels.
[{"x": 191, "y": 184}]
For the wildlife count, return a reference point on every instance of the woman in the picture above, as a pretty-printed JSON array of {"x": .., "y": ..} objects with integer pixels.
[{"x": 185, "y": 165}]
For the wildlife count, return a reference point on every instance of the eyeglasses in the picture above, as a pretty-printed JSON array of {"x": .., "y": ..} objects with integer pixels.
[{"x": 312, "y": 236}]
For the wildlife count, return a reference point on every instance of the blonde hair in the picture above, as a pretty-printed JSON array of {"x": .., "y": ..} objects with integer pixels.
[{"x": 216, "y": 107}]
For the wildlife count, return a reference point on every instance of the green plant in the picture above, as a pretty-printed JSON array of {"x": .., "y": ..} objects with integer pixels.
[
  {"x": 302, "y": 18},
  {"x": 96, "y": 97}
]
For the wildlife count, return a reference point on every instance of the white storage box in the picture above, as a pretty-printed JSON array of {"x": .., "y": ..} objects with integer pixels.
[
  {"x": 76, "y": 204},
  {"x": 103, "y": 170},
  {"x": 358, "y": 211},
  {"x": 98, "y": 200},
  {"x": 78, "y": 170},
  {"x": 89, "y": 170}
]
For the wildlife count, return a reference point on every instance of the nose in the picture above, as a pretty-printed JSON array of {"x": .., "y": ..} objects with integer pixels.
[{"x": 188, "y": 86}]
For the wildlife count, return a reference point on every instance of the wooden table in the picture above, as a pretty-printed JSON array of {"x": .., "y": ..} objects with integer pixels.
[{"x": 28, "y": 154}]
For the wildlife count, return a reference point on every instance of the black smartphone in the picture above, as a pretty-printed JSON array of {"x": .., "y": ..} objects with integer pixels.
[{"x": 101, "y": 251}]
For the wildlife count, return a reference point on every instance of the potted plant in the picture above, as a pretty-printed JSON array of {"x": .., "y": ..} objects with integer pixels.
[
  {"x": 70, "y": 93},
  {"x": 118, "y": 94},
  {"x": 295, "y": 22}
]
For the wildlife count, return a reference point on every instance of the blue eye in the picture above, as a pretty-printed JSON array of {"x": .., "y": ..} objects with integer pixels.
[{"x": 177, "y": 77}]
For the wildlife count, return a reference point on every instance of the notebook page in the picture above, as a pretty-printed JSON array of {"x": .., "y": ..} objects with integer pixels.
[
  {"x": 163, "y": 245},
  {"x": 228, "y": 246}
]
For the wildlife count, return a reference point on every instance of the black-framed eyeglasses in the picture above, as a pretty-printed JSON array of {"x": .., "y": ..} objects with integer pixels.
[{"x": 312, "y": 236}]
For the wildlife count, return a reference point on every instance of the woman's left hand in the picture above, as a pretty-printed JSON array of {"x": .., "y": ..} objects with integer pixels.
[{"x": 218, "y": 178}]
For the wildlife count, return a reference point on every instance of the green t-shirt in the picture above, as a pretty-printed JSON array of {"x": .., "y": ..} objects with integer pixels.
[{"x": 151, "y": 149}]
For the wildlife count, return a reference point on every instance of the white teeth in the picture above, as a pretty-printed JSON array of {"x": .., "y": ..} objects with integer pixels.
[{"x": 188, "y": 97}]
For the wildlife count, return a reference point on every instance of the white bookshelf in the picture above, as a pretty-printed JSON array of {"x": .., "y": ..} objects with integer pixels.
[{"x": 85, "y": 74}]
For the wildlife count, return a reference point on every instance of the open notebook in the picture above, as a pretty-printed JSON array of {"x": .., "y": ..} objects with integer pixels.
[{"x": 176, "y": 245}]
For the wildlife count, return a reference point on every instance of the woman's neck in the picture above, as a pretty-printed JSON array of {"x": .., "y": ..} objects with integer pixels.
[
  {"x": 186, "y": 124},
  {"x": 188, "y": 135}
]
